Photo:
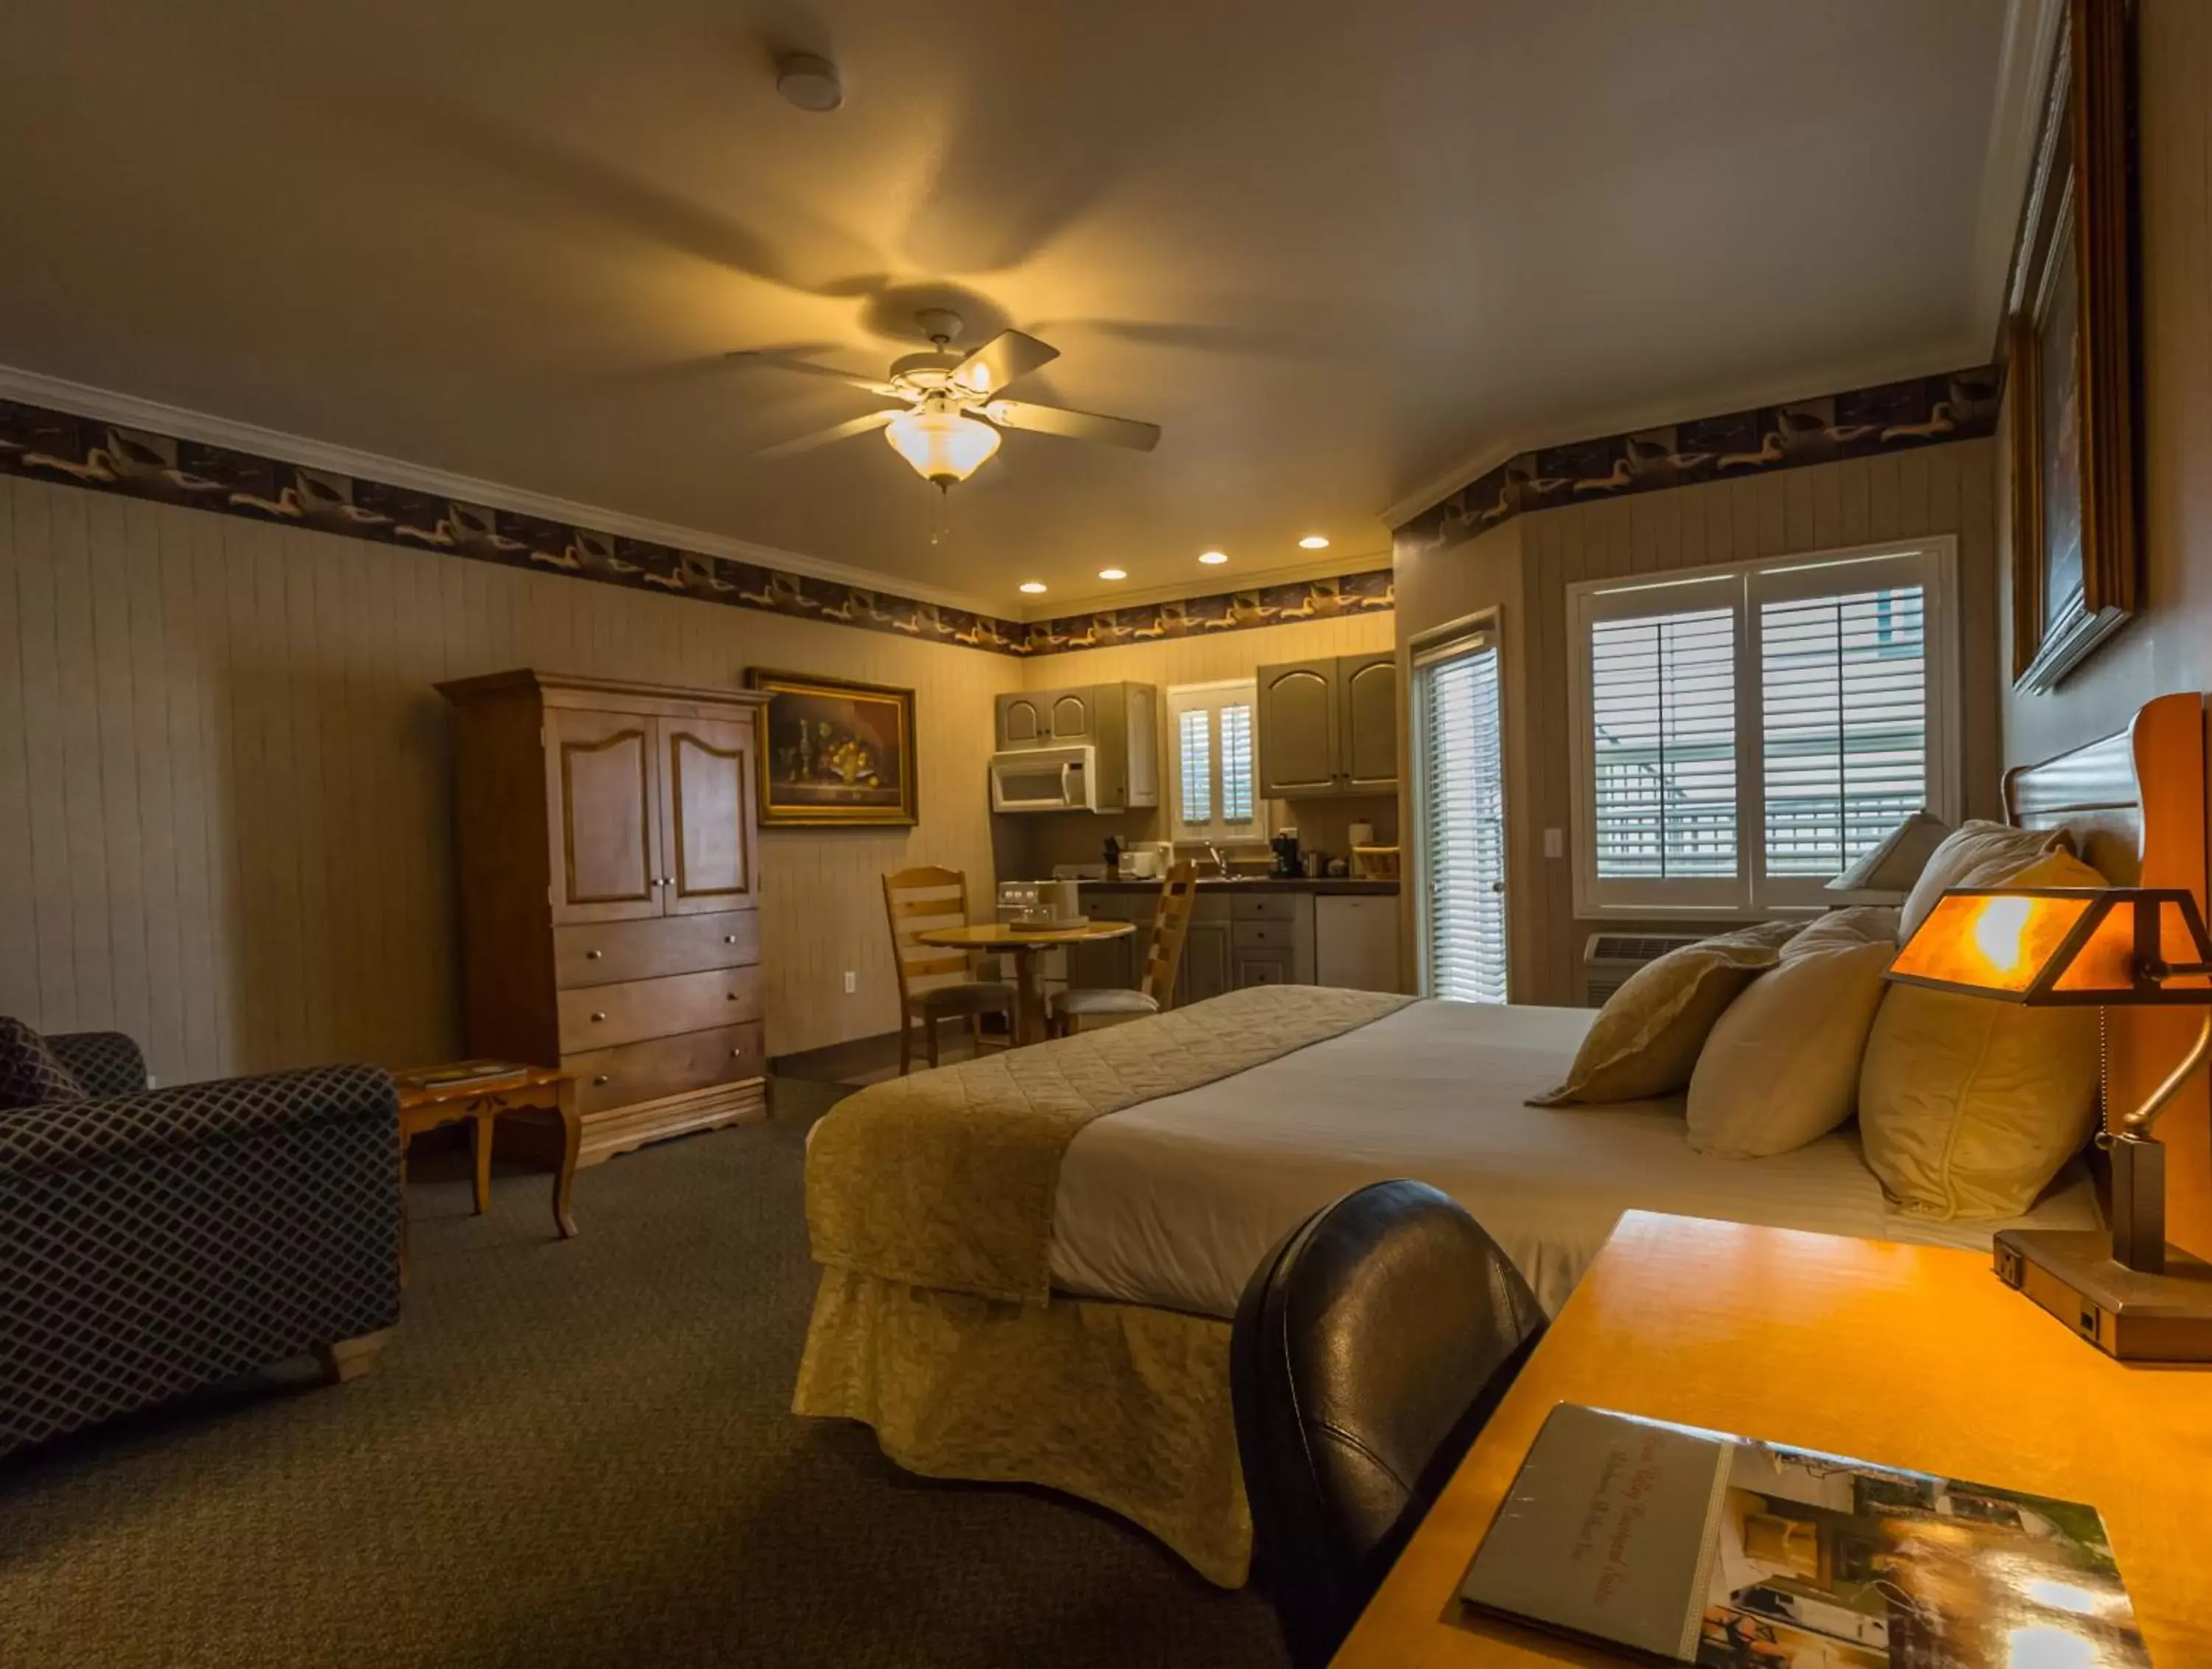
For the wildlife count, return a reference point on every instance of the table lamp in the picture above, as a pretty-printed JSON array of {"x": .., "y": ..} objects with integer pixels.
[{"x": 2128, "y": 1293}]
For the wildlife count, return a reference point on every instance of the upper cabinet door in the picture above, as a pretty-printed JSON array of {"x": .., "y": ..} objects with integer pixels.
[
  {"x": 1022, "y": 722},
  {"x": 1072, "y": 716},
  {"x": 1367, "y": 732},
  {"x": 605, "y": 791},
  {"x": 706, "y": 816},
  {"x": 1297, "y": 730}
]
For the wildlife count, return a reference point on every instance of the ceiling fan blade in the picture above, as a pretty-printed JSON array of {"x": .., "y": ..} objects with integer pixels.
[
  {"x": 874, "y": 420},
  {"x": 1073, "y": 425},
  {"x": 780, "y": 361},
  {"x": 1009, "y": 355}
]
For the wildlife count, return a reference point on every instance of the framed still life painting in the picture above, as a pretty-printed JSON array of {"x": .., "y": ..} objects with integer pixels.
[
  {"x": 836, "y": 754},
  {"x": 2071, "y": 445}
]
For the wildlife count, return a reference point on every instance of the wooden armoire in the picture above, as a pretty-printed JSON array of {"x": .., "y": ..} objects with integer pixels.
[{"x": 610, "y": 894}]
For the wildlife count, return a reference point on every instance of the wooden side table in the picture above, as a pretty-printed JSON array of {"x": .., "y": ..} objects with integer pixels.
[{"x": 426, "y": 1104}]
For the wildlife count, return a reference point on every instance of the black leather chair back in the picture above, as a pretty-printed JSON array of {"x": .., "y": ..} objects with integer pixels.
[{"x": 1369, "y": 1348}]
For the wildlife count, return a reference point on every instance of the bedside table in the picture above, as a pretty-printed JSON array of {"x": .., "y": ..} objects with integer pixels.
[{"x": 1908, "y": 1356}]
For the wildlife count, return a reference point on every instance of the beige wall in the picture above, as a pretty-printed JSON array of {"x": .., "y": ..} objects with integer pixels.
[
  {"x": 1030, "y": 844},
  {"x": 224, "y": 797},
  {"x": 2168, "y": 647},
  {"x": 1932, "y": 490}
]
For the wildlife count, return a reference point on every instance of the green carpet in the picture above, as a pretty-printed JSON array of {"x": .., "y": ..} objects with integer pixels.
[{"x": 576, "y": 1453}]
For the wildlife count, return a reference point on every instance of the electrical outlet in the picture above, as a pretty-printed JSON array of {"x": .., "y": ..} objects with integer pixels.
[
  {"x": 1555, "y": 843},
  {"x": 851, "y": 982}
]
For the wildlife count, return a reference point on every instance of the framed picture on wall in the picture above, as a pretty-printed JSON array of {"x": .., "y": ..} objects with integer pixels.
[
  {"x": 2071, "y": 443},
  {"x": 834, "y": 754}
]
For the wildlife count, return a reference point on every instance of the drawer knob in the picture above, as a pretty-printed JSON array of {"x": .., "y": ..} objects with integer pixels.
[
  {"x": 729, "y": 938},
  {"x": 600, "y": 1015},
  {"x": 593, "y": 956},
  {"x": 601, "y": 1078},
  {"x": 731, "y": 996},
  {"x": 737, "y": 1055}
]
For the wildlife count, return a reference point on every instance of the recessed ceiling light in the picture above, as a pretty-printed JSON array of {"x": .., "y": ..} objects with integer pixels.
[
  {"x": 1313, "y": 542},
  {"x": 1112, "y": 573},
  {"x": 1213, "y": 558},
  {"x": 1034, "y": 587}
]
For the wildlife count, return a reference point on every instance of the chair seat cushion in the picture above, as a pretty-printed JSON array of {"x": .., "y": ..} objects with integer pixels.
[
  {"x": 31, "y": 1073},
  {"x": 1103, "y": 1002},
  {"x": 969, "y": 997}
]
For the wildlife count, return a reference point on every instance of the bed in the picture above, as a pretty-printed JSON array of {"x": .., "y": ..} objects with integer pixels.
[{"x": 1030, "y": 1262}]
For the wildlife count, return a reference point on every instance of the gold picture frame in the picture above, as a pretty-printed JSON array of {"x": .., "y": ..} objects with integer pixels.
[
  {"x": 2069, "y": 343},
  {"x": 834, "y": 754}
]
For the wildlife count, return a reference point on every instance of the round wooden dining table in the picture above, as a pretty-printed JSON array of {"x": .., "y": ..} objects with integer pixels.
[{"x": 1025, "y": 942}]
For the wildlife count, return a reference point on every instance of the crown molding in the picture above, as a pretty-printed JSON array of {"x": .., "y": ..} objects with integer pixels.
[
  {"x": 1212, "y": 582},
  {"x": 1671, "y": 409},
  {"x": 182, "y": 423}
]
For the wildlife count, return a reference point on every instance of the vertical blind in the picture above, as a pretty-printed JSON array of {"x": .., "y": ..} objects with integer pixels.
[
  {"x": 1662, "y": 711},
  {"x": 1463, "y": 795},
  {"x": 1843, "y": 724}
]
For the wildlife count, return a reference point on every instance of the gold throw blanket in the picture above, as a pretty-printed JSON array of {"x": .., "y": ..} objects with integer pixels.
[{"x": 947, "y": 1179}]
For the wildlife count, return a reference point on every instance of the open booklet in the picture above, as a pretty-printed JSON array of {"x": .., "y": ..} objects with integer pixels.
[{"x": 1700, "y": 1548}]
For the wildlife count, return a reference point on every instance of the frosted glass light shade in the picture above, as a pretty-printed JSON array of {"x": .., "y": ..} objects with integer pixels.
[{"x": 942, "y": 447}]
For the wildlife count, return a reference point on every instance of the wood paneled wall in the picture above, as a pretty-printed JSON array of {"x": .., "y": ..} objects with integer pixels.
[
  {"x": 1031, "y": 845},
  {"x": 1936, "y": 489},
  {"x": 225, "y": 799}
]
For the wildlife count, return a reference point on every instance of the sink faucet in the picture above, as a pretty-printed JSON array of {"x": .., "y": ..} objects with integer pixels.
[{"x": 1220, "y": 864}]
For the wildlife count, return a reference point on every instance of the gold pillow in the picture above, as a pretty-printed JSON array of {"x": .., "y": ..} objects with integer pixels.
[
  {"x": 1978, "y": 854},
  {"x": 1969, "y": 1106},
  {"x": 1645, "y": 1039}
]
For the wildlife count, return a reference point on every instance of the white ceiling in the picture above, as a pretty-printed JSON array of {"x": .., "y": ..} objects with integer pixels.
[{"x": 1337, "y": 251}]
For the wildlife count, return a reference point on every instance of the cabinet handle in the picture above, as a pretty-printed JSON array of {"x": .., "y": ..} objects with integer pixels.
[
  {"x": 593, "y": 956},
  {"x": 600, "y": 1015},
  {"x": 729, "y": 938},
  {"x": 730, "y": 996},
  {"x": 737, "y": 1055},
  {"x": 600, "y": 1079}
]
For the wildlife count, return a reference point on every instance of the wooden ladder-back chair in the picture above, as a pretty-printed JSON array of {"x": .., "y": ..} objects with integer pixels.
[
  {"x": 1155, "y": 991},
  {"x": 936, "y": 983}
]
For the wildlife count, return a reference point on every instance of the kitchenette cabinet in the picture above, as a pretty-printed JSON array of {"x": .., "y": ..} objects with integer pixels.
[
  {"x": 1242, "y": 934},
  {"x": 1329, "y": 727}
]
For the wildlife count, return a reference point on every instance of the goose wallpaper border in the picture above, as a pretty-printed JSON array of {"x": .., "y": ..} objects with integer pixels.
[
  {"x": 1894, "y": 416},
  {"x": 51, "y": 445}
]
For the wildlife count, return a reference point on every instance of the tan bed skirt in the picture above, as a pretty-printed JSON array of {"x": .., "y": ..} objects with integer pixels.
[{"x": 1123, "y": 1404}]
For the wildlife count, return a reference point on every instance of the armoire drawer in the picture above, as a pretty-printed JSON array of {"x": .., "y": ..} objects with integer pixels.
[
  {"x": 665, "y": 1067},
  {"x": 598, "y": 1016},
  {"x": 609, "y": 952}
]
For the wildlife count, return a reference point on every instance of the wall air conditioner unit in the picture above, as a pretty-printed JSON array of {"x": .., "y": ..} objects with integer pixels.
[{"x": 1609, "y": 958}]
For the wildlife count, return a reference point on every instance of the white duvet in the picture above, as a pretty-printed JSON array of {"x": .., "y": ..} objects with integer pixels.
[{"x": 1174, "y": 1202}]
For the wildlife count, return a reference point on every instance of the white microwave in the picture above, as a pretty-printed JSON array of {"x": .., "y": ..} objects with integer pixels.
[{"x": 1045, "y": 778}]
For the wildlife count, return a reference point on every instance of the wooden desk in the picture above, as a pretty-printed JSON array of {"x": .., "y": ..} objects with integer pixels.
[
  {"x": 479, "y": 1103},
  {"x": 1029, "y": 1005},
  {"x": 1905, "y": 1355}
]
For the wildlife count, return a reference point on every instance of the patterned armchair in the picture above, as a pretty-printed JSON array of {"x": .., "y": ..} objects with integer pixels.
[{"x": 155, "y": 1241}]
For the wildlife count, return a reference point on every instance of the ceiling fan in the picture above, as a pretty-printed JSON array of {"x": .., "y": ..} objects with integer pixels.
[{"x": 948, "y": 425}]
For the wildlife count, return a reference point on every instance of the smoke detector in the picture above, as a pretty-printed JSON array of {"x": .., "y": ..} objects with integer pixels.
[{"x": 808, "y": 82}]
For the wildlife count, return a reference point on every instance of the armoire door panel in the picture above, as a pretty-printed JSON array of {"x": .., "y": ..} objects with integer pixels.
[
  {"x": 707, "y": 823},
  {"x": 604, "y": 789}
]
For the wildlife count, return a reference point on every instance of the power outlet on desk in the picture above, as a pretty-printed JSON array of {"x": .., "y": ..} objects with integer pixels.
[{"x": 851, "y": 982}]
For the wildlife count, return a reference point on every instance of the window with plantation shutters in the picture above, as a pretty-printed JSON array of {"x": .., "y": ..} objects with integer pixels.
[
  {"x": 1213, "y": 774},
  {"x": 1743, "y": 734},
  {"x": 1460, "y": 817}
]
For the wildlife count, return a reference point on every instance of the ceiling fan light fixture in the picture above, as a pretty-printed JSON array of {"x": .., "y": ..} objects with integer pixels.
[
  {"x": 1213, "y": 558},
  {"x": 942, "y": 447}
]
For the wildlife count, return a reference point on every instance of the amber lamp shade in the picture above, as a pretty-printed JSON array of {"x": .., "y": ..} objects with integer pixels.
[{"x": 2059, "y": 945}]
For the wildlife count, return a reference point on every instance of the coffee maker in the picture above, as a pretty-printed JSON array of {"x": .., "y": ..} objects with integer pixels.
[{"x": 1286, "y": 854}]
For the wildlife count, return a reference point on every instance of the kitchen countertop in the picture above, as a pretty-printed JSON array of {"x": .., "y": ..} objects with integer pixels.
[{"x": 1338, "y": 886}]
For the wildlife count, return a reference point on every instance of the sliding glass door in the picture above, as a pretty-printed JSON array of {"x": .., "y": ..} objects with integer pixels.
[{"x": 1459, "y": 770}]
